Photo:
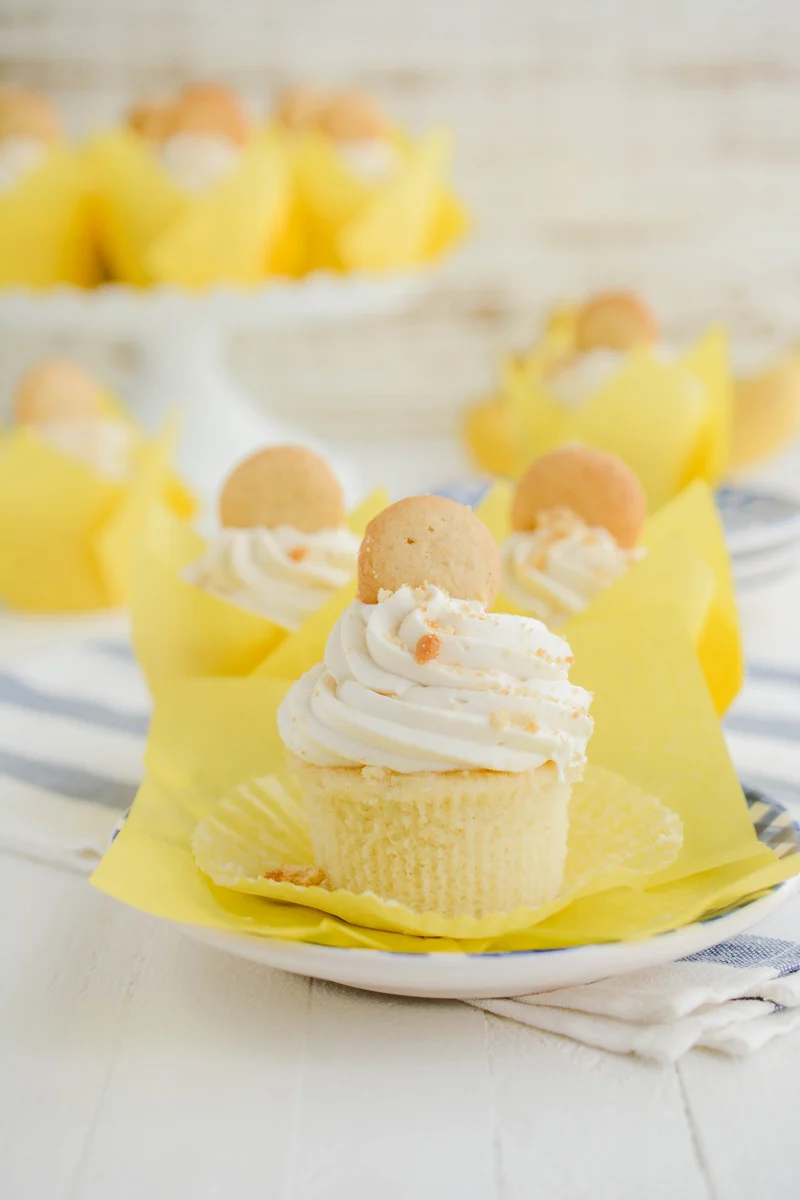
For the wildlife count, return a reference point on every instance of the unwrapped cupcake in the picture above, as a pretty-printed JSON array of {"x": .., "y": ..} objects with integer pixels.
[
  {"x": 367, "y": 196},
  {"x": 283, "y": 553},
  {"x": 189, "y": 193},
  {"x": 437, "y": 744},
  {"x": 45, "y": 213},
  {"x": 77, "y": 482}
]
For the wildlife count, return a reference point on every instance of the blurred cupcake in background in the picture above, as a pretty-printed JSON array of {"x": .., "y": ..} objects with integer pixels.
[
  {"x": 367, "y": 195},
  {"x": 78, "y": 480},
  {"x": 189, "y": 192},
  {"x": 45, "y": 214},
  {"x": 766, "y": 411},
  {"x": 69, "y": 411},
  {"x": 600, "y": 375},
  {"x": 199, "y": 136}
]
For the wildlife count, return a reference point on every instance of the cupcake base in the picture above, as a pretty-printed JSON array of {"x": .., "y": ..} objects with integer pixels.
[{"x": 459, "y": 842}]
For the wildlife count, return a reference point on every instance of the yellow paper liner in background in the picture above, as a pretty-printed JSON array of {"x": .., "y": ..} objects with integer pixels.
[
  {"x": 766, "y": 412},
  {"x": 152, "y": 232},
  {"x": 618, "y": 835},
  {"x": 649, "y": 414},
  {"x": 46, "y": 234},
  {"x": 655, "y": 727},
  {"x": 406, "y": 220},
  {"x": 67, "y": 534},
  {"x": 180, "y": 630}
]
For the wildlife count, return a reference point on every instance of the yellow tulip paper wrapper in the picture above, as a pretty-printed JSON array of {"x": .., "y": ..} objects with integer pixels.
[
  {"x": 180, "y": 630},
  {"x": 687, "y": 566},
  {"x": 670, "y": 421},
  {"x": 151, "y": 231},
  {"x": 408, "y": 219},
  {"x": 46, "y": 233},
  {"x": 68, "y": 534},
  {"x": 656, "y": 736}
]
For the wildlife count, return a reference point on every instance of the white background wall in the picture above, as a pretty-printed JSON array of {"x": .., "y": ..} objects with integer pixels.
[{"x": 646, "y": 142}]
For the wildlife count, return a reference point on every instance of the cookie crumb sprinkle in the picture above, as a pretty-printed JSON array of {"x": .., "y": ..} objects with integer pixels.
[
  {"x": 427, "y": 648},
  {"x": 500, "y": 718},
  {"x": 298, "y": 553},
  {"x": 300, "y": 876}
]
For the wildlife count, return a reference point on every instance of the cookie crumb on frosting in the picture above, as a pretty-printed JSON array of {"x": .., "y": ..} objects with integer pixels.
[{"x": 427, "y": 648}]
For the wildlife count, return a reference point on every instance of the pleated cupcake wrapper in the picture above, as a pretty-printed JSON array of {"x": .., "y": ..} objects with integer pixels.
[
  {"x": 151, "y": 231},
  {"x": 687, "y": 565},
  {"x": 46, "y": 234},
  {"x": 655, "y": 728},
  {"x": 407, "y": 220},
  {"x": 618, "y": 836},
  {"x": 67, "y": 534},
  {"x": 668, "y": 432},
  {"x": 181, "y": 630}
]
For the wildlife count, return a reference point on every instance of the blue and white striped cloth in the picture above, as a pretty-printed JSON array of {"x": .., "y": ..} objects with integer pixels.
[{"x": 73, "y": 723}]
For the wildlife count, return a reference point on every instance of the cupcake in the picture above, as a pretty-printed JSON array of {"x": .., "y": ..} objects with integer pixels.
[
  {"x": 367, "y": 197},
  {"x": 437, "y": 744},
  {"x": 283, "y": 549},
  {"x": 766, "y": 408},
  {"x": 576, "y": 517},
  {"x": 46, "y": 234},
  {"x": 64, "y": 407},
  {"x": 29, "y": 126},
  {"x": 350, "y": 121},
  {"x": 198, "y": 136},
  {"x": 599, "y": 375},
  {"x": 605, "y": 330}
]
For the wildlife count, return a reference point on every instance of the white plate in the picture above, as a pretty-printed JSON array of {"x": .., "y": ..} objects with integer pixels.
[{"x": 490, "y": 976}]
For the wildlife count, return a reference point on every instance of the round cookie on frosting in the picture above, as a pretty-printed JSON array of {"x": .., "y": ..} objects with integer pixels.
[
  {"x": 283, "y": 485},
  {"x": 597, "y": 487},
  {"x": 29, "y": 115},
  {"x": 614, "y": 321},
  {"x": 298, "y": 108},
  {"x": 152, "y": 119},
  {"x": 351, "y": 117},
  {"x": 429, "y": 540},
  {"x": 208, "y": 109},
  {"x": 57, "y": 390}
]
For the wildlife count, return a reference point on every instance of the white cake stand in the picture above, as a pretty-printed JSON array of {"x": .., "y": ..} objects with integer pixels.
[{"x": 181, "y": 339}]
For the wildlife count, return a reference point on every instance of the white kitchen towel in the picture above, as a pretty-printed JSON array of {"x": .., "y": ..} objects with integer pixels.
[
  {"x": 73, "y": 723},
  {"x": 734, "y": 998}
]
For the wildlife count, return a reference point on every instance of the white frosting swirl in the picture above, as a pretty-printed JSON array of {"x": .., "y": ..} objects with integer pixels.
[
  {"x": 555, "y": 570},
  {"x": 282, "y": 574},
  {"x": 371, "y": 159},
  {"x": 591, "y": 372},
  {"x": 494, "y": 697},
  {"x": 586, "y": 374},
  {"x": 196, "y": 160},
  {"x": 18, "y": 157},
  {"x": 103, "y": 443}
]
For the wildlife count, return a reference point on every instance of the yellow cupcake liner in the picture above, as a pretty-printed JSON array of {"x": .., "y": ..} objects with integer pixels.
[
  {"x": 687, "y": 567},
  {"x": 409, "y": 219},
  {"x": 67, "y": 534},
  {"x": 46, "y": 234},
  {"x": 618, "y": 836},
  {"x": 668, "y": 432},
  {"x": 152, "y": 232},
  {"x": 766, "y": 412},
  {"x": 180, "y": 630},
  {"x": 655, "y": 729}
]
